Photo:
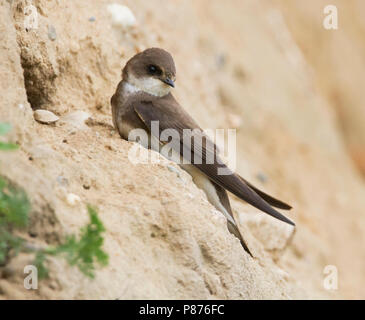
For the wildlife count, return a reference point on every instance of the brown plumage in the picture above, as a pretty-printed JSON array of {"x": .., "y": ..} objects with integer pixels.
[
  {"x": 144, "y": 96},
  {"x": 153, "y": 56}
]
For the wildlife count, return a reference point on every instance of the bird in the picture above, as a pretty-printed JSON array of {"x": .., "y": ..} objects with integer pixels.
[{"x": 143, "y": 97}]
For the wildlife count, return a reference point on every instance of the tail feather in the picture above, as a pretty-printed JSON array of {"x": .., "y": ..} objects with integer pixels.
[
  {"x": 234, "y": 230},
  {"x": 269, "y": 199},
  {"x": 232, "y": 227}
]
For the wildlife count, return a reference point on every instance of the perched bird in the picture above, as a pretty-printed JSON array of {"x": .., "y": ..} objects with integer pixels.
[{"x": 144, "y": 96}]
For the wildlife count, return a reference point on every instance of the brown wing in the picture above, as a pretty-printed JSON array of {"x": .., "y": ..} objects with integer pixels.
[
  {"x": 170, "y": 115},
  {"x": 223, "y": 197},
  {"x": 269, "y": 199}
]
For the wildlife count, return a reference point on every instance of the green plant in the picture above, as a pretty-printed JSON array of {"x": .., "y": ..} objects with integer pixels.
[
  {"x": 83, "y": 253},
  {"x": 14, "y": 208},
  {"x": 14, "y": 211},
  {"x": 5, "y": 128}
]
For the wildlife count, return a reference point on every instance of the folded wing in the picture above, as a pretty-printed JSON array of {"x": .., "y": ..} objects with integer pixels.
[{"x": 201, "y": 149}]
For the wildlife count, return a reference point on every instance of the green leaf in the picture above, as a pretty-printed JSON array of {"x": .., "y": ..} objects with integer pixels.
[
  {"x": 39, "y": 263},
  {"x": 83, "y": 253},
  {"x": 14, "y": 205},
  {"x": 9, "y": 242},
  {"x": 4, "y": 128},
  {"x": 8, "y": 146},
  {"x": 88, "y": 250}
]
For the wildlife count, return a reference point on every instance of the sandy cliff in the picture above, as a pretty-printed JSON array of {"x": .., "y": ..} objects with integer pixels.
[{"x": 237, "y": 66}]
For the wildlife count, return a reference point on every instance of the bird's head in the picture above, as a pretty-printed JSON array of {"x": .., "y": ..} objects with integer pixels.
[{"x": 152, "y": 71}]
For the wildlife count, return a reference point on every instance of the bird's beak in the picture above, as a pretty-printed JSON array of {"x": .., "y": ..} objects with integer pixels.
[{"x": 169, "y": 82}]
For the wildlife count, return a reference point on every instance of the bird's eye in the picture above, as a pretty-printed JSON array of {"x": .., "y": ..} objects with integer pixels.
[{"x": 152, "y": 69}]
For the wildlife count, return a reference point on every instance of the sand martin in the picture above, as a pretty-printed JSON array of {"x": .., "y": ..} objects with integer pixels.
[{"x": 144, "y": 96}]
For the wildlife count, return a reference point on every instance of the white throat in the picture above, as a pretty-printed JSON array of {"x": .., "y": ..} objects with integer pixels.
[{"x": 149, "y": 85}]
